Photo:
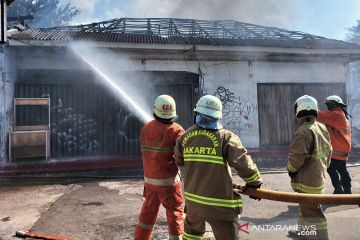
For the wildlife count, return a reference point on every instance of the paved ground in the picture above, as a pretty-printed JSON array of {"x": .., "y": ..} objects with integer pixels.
[{"x": 109, "y": 210}]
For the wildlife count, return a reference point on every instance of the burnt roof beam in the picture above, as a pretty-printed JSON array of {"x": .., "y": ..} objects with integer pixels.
[
  {"x": 227, "y": 30},
  {"x": 173, "y": 27},
  {"x": 170, "y": 27},
  {"x": 247, "y": 29},
  {"x": 205, "y": 32}
]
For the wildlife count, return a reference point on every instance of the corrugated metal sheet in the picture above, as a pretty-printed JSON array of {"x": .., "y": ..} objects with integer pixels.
[
  {"x": 60, "y": 35},
  {"x": 276, "y": 114},
  {"x": 82, "y": 120}
]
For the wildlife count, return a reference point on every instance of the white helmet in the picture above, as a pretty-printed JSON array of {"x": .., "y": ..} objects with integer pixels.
[
  {"x": 336, "y": 99},
  {"x": 306, "y": 103},
  {"x": 209, "y": 105},
  {"x": 165, "y": 107}
]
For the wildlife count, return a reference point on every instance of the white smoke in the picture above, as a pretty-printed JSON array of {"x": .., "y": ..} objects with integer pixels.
[
  {"x": 87, "y": 8},
  {"x": 280, "y": 13},
  {"x": 267, "y": 12}
]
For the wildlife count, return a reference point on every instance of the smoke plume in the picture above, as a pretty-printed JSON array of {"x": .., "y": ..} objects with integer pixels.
[{"x": 278, "y": 13}]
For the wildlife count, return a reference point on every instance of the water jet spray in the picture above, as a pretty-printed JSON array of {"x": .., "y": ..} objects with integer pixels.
[{"x": 124, "y": 97}]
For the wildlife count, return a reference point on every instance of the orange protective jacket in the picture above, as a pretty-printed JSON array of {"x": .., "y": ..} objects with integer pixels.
[
  {"x": 339, "y": 130},
  {"x": 157, "y": 146}
]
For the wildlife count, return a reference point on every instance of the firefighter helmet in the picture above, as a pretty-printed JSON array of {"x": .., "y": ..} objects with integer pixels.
[
  {"x": 305, "y": 106},
  {"x": 165, "y": 107},
  {"x": 209, "y": 105},
  {"x": 336, "y": 99}
]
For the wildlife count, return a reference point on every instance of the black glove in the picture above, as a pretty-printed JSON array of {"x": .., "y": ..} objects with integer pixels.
[
  {"x": 292, "y": 174},
  {"x": 252, "y": 186}
]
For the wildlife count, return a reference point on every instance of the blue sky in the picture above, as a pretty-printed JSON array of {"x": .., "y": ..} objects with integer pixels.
[{"x": 328, "y": 18}]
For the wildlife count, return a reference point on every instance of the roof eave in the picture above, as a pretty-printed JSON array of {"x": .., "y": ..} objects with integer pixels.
[{"x": 347, "y": 54}]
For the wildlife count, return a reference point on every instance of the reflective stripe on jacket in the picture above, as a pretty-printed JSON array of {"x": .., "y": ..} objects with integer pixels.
[
  {"x": 309, "y": 155},
  {"x": 339, "y": 130},
  {"x": 207, "y": 156},
  {"x": 157, "y": 147}
]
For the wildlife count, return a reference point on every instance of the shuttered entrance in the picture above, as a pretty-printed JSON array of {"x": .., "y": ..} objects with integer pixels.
[
  {"x": 88, "y": 120},
  {"x": 276, "y": 108}
]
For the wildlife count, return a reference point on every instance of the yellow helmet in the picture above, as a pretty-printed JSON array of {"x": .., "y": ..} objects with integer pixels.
[
  {"x": 165, "y": 107},
  {"x": 307, "y": 105},
  {"x": 209, "y": 105}
]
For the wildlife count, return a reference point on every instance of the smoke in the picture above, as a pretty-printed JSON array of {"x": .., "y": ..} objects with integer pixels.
[
  {"x": 87, "y": 9},
  {"x": 98, "y": 10},
  {"x": 280, "y": 13}
]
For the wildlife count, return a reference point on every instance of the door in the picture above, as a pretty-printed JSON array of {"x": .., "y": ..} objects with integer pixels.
[{"x": 276, "y": 108}]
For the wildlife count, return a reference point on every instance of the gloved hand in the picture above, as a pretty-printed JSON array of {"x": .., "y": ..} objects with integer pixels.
[
  {"x": 247, "y": 186},
  {"x": 292, "y": 174},
  {"x": 237, "y": 186}
]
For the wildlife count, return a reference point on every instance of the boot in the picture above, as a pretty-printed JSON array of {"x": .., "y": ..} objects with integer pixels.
[
  {"x": 347, "y": 190},
  {"x": 295, "y": 235},
  {"x": 338, "y": 190}
]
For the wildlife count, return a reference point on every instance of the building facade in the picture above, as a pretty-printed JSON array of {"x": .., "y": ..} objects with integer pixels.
[{"x": 256, "y": 71}]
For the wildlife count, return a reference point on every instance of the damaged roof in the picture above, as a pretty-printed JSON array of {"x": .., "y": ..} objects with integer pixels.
[{"x": 184, "y": 31}]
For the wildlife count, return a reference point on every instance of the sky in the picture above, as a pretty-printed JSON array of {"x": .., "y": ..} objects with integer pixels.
[{"x": 327, "y": 18}]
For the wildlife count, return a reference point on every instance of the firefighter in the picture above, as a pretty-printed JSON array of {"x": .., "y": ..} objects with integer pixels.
[
  {"x": 337, "y": 123},
  {"x": 162, "y": 181},
  {"x": 207, "y": 151},
  {"x": 308, "y": 160}
]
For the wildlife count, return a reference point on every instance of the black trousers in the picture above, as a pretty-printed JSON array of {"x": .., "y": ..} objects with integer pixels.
[{"x": 340, "y": 177}]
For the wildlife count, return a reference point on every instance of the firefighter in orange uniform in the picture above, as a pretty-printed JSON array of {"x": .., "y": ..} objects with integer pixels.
[
  {"x": 161, "y": 175},
  {"x": 337, "y": 123},
  {"x": 309, "y": 157},
  {"x": 207, "y": 151}
]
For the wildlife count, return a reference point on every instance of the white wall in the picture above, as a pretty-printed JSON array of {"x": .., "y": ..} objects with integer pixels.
[
  {"x": 2, "y": 105},
  {"x": 354, "y": 107},
  {"x": 7, "y": 79}
]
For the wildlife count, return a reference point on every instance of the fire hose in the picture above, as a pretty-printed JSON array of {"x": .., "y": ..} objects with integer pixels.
[
  {"x": 336, "y": 199},
  {"x": 38, "y": 235}
]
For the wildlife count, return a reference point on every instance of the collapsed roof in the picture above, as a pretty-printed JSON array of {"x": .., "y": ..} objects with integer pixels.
[{"x": 184, "y": 31}]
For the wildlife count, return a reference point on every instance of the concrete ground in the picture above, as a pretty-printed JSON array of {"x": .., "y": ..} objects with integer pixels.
[{"x": 109, "y": 209}]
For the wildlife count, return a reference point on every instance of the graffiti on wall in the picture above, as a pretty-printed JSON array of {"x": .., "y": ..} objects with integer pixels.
[
  {"x": 239, "y": 115},
  {"x": 75, "y": 132},
  {"x": 125, "y": 120}
]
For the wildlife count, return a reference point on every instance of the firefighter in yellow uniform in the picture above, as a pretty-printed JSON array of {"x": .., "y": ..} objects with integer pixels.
[
  {"x": 208, "y": 151},
  {"x": 308, "y": 160}
]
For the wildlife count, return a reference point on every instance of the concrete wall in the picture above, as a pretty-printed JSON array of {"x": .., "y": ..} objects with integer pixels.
[
  {"x": 2, "y": 103},
  {"x": 7, "y": 79},
  {"x": 354, "y": 107}
]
